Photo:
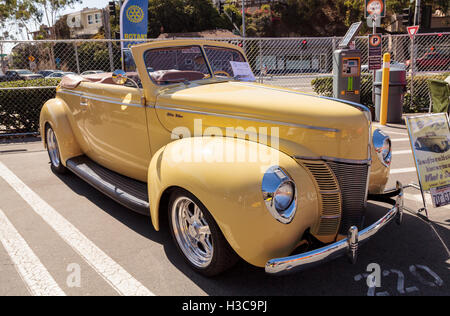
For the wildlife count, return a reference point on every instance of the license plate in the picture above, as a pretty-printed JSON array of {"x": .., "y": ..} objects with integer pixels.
[{"x": 440, "y": 196}]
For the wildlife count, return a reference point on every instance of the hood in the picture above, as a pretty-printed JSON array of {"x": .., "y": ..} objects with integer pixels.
[{"x": 322, "y": 127}]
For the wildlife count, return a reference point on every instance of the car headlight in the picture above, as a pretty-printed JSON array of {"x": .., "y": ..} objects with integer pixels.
[
  {"x": 280, "y": 194},
  {"x": 382, "y": 145}
]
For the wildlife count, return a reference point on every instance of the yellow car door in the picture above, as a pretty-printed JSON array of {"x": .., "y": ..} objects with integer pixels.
[{"x": 116, "y": 128}]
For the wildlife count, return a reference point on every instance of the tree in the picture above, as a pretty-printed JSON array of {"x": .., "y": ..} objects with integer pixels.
[{"x": 180, "y": 16}]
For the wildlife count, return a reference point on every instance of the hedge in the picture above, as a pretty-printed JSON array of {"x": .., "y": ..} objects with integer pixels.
[
  {"x": 421, "y": 100},
  {"x": 20, "y": 108}
]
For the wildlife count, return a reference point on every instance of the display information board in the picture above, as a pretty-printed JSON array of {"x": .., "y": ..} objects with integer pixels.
[
  {"x": 375, "y": 51},
  {"x": 430, "y": 142}
]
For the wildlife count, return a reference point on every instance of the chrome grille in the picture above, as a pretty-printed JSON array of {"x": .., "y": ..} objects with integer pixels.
[
  {"x": 330, "y": 197},
  {"x": 352, "y": 180}
]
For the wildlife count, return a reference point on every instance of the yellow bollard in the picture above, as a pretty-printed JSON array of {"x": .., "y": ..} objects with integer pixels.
[{"x": 385, "y": 89}]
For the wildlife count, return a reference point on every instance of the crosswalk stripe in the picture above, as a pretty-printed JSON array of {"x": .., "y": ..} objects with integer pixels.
[
  {"x": 402, "y": 152},
  {"x": 31, "y": 270},
  {"x": 399, "y": 139},
  {"x": 403, "y": 170},
  {"x": 106, "y": 267}
]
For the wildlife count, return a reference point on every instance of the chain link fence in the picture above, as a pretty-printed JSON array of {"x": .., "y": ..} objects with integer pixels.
[{"x": 303, "y": 64}]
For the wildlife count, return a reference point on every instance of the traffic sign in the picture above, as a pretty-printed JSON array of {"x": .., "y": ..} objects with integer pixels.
[
  {"x": 375, "y": 51},
  {"x": 31, "y": 58},
  {"x": 375, "y": 7},
  {"x": 412, "y": 31}
]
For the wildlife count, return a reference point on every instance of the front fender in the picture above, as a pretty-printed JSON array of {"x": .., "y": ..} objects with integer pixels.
[
  {"x": 231, "y": 191},
  {"x": 54, "y": 113}
]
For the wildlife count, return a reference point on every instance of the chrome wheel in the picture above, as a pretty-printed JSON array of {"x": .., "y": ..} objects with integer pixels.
[
  {"x": 52, "y": 147},
  {"x": 192, "y": 232}
]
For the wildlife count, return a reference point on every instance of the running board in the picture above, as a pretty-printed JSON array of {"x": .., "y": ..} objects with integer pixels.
[{"x": 130, "y": 193}]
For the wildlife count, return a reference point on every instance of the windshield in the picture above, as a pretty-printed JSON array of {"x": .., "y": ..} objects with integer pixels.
[
  {"x": 227, "y": 62},
  {"x": 188, "y": 63},
  {"x": 176, "y": 64}
]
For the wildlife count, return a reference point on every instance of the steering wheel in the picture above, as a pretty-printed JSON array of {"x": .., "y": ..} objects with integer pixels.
[{"x": 221, "y": 72}]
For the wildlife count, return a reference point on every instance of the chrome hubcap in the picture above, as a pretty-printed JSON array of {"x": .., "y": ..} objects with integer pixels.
[
  {"x": 52, "y": 146},
  {"x": 192, "y": 232}
]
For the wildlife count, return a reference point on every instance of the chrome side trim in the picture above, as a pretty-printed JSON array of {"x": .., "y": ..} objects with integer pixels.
[
  {"x": 102, "y": 99},
  {"x": 349, "y": 245},
  {"x": 178, "y": 109},
  {"x": 342, "y": 160}
]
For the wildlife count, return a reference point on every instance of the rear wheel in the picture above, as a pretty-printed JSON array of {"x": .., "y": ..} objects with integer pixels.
[
  {"x": 197, "y": 235},
  {"x": 53, "y": 151}
]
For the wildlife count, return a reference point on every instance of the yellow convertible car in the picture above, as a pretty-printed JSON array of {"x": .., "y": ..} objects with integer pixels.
[{"x": 276, "y": 177}]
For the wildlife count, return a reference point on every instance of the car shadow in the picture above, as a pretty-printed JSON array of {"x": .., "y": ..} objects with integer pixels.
[{"x": 396, "y": 247}]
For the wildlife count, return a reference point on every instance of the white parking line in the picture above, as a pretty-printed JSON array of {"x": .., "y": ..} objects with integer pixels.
[
  {"x": 396, "y": 133},
  {"x": 106, "y": 267},
  {"x": 38, "y": 280},
  {"x": 402, "y": 152},
  {"x": 403, "y": 170},
  {"x": 400, "y": 140}
]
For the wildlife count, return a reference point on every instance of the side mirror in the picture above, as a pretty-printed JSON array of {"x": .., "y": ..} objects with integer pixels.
[{"x": 119, "y": 77}]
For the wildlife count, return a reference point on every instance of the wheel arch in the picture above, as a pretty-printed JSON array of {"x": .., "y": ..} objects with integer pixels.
[{"x": 54, "y": 114}]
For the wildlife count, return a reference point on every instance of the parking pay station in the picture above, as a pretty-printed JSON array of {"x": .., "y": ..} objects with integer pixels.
[{"x": 347, "y": 68}]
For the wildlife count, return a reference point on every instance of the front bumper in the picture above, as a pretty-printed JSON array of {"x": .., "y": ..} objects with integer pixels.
[{"x": 347, "y": 246}]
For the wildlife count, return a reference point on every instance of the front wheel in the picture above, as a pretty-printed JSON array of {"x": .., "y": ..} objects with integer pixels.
[
  {"x": 197, "y": 235},
  {"x": 53, "y": 151}
]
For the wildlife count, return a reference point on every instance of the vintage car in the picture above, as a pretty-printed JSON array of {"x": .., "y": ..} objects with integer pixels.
[
  {"x": 274, "y": 176},
  {"x": 433, "y": 142}
]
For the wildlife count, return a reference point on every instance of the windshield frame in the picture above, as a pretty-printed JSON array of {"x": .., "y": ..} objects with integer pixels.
[
  {"x": 205, "y": 46},
  {"x": 208, "y": 66}
]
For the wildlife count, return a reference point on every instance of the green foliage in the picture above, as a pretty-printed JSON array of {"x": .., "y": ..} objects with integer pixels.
[
  {"x": 20, "y": 108},
  {"x": 421, "y": 99},
  {"x": 180, "y": 16}
]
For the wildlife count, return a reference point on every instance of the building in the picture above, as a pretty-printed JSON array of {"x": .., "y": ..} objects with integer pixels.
[{"x": 85, "y": 23}]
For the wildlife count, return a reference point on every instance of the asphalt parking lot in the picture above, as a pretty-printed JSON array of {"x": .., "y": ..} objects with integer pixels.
[{"x": 83, "y": 243}]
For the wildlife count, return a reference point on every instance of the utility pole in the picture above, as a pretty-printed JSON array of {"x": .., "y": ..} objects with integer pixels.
[
  {"x": 417, "y": 13},
  {"x": 243, "y": 18},
  {"x": 106, "y": 21}
]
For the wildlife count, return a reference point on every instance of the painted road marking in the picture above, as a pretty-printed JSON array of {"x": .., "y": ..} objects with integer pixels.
[
  {"x": 402, "y": 152},
  {"x": 396, "y": 133},
  {"x": 399, "y": 139},
  {"x": 38, "y": 280},
  {"x": 403, "y": 170},
  {"x": 106, "y": 267}
]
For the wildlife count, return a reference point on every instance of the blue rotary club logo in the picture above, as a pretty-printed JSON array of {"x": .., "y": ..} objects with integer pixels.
[{"x": 135, "y": 14}]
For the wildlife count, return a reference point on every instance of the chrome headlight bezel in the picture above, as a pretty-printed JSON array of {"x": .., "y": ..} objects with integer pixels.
[
  {"x": 383, "y": 147},
  {"x": 274, "y": 179}
]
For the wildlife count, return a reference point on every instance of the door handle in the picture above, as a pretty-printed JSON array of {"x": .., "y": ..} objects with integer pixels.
[{"x": 84, "y": 102}]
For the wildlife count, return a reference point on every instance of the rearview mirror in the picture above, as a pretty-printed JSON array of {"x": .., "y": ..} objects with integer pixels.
[{"x": 119, "y": 77}]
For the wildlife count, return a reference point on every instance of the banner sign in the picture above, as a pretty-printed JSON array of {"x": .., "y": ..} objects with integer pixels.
[
  {"x": 375, "y": 51},
  {"x": 133, "y": 22},
  {"x": 430, "y": 142}
]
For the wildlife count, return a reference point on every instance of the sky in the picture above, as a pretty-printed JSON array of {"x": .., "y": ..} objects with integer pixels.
[
  {"x": 88, "y": 4},
  {"x": 77, "y": 7}
]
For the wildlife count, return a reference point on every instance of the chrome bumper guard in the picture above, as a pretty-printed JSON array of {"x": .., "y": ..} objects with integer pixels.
[{"x": 347, "y": 246}]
